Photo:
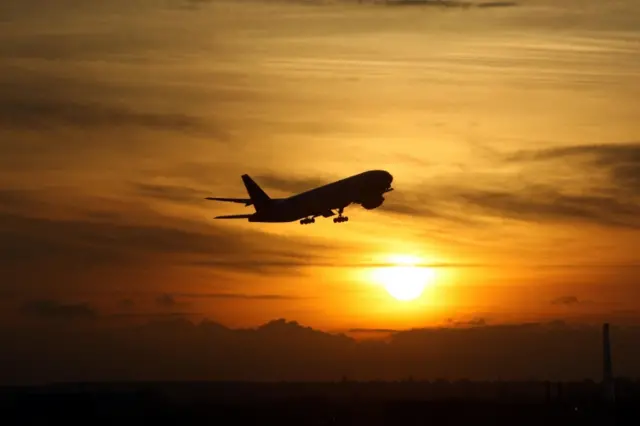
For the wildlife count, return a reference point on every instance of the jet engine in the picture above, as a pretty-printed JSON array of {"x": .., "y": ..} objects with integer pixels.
[{"x": 372, "y": 203}]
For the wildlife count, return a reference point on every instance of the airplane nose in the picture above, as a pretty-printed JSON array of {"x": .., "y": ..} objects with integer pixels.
[{"x": 389, "y": 178}]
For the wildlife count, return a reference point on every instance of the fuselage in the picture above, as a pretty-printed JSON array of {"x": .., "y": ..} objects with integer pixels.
[{"x": 369, "y": 185}]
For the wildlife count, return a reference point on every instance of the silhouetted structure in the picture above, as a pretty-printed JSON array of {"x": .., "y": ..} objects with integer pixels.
[{"x": 607, "y": 369}]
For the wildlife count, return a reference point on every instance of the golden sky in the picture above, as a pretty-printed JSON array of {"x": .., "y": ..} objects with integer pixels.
[{"x": 512, "y": 133}]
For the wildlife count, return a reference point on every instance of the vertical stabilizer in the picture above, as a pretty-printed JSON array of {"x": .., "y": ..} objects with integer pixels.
[
  {"x": 259, "y": 198},
  {"x": 607, "y": 369}
]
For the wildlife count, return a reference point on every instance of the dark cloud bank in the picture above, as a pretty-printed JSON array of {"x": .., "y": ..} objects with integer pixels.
[
  {"x": 95, "y": 238},
  {"x": 176, "y": 349},
  {"x": 50, "y": 309}
]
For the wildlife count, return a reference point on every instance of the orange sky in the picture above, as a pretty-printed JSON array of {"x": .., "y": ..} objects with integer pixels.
[{"x": 512, "y": 135}]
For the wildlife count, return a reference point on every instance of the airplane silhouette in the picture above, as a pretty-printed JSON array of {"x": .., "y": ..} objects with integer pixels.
[{"x": 366, "y": 189}]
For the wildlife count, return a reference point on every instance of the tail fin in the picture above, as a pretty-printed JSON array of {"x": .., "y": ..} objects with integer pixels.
[{"x": 259, "y": 198}]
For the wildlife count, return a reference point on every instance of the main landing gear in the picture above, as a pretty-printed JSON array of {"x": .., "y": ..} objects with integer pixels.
[
  {"x": 340, "y": 218},
  {"x": 307, "y": 220}
]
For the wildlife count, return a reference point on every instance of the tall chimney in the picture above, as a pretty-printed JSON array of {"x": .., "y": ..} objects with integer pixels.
[{"x": 607, "y": 370}]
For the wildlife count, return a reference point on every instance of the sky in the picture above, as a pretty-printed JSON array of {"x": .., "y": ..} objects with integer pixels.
[{"x": 512, "y": 133}]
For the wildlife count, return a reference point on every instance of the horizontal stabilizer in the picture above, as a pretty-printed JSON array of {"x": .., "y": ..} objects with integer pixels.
[
  {"x": 234, "y": 216},
  {"x": 245, "y": 201}
]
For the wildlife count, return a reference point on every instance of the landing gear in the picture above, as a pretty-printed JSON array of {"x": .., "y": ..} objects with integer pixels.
[
  {"x": 307, "y": 220},
  {"x": 340, "y": 218}
]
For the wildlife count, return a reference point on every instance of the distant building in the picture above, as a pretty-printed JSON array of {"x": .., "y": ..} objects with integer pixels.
[{"x": 608, "y": 385}]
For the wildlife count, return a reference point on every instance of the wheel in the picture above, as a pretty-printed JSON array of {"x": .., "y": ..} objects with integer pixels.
[{"x": 346, "y": 219}]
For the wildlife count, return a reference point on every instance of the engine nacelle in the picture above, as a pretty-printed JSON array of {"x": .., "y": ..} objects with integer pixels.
[{"x": 372, "y": 203}]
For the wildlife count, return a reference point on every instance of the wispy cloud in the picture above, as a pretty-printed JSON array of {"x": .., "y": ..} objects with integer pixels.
[
  {"x": 373, "y": 330},
  {"x": 172, "y": 193},
  {"x": 241, "y": 296},
  {"x": 155, "y": 315},
  {"x": 566, "y": 300},
  {"x": 119, "y": 240},
  {"x": 571, "y": 300},
  {"x": 621, "y": 161},
  {"x": 538, "y": 201},
  {"x": 447, "y": 4},
  {"x": 42, "y": 115},
  {"x": 544, "y": 204},
  {"x": 474, "y": 322}
]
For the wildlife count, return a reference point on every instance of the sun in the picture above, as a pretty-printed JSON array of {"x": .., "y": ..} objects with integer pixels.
[{"x": 406, "y": 280}]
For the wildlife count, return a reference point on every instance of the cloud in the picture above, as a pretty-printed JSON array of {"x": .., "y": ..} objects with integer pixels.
[
  {"x": 193, "y": 4},
  {"x": 449, "y": 3},
  {"x": 56, "y": 310},
  {"x": 545, "y": 204},
  {"x": 475, "y": 322},
  {"x": 565, "y": 300},
  {"x": 620, "y": 160},
  {"x": 42, "y": 115},
  {"x": 168, "y": 301},
  {"x": 29, "y": 239},
  {"x": 154, "y": 315},
  {"x": 241, "y": 296},
  {"x": 283, "y": 350},
  {"x": 393, "y": 205},
  {"x": 494, "y": 4},
  {"x": 535, "y": 203},
  {"x": 173, "y": 193},
  {"x": 428, "y": 202},
  {"x": 373, "y": 330},
  {"x": 613, "y": 203},
  {"x": 69, "y": 250},
  {"x": 292, "y": 267},
  {"x": 20, "y": 199},
  {"x": 40, "y": 100},
  {"x": 123, "y": 240}
]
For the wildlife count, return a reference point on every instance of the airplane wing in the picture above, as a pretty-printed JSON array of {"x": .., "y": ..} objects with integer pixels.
[
  {"x": 245, "y": 201},
  {"x": 234, "y": 216}
]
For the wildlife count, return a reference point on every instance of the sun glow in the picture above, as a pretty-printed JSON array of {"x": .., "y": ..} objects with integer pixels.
[{"x": 407, "y": 280}]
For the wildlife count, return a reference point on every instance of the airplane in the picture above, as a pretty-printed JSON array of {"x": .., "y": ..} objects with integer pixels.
[{"x": 366, "y": 188}]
